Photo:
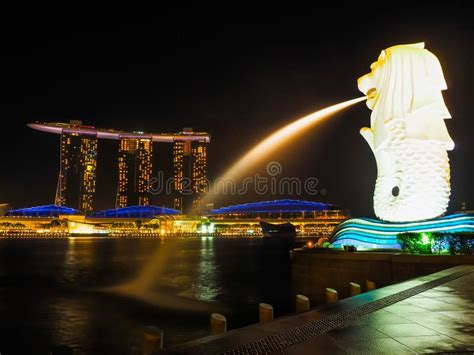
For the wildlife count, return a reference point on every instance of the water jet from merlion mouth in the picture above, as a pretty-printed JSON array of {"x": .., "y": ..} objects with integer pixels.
[
  {"x": 276, "y": 140},
  {"x": 145, "y": 286},
  {"x": 142, "y": 286}
]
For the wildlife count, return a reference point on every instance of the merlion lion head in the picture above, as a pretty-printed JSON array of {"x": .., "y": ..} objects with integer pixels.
[{"x": 407, "y": 133}]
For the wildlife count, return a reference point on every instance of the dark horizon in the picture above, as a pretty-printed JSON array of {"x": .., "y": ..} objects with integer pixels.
[{"x": 237, "y": 74}]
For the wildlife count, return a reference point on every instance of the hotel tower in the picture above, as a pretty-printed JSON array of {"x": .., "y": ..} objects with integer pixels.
[
  {"x": 190, "y": 173},
  {"x": 77, "y": 171},
  {"x": 134, "y": 171},
  {"x": 77, "y": 174}
]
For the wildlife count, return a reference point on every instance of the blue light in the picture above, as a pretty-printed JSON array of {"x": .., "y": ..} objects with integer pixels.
[
  {"x": 371, "y": 233},
  {"x": 42, "y": 211},
  {"x": 135, "y": 212},
  {"x": 275, "y": 206}
]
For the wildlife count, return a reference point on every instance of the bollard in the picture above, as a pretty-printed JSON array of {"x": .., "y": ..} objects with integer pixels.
[
  {"x": 218, "y": 324},
  {"x": 302, "y": 303},
  {"x": 370, "y": 285},
  {"x": 152, "y": 340},
  {"x": 355, "y": 289},
  {"x": 265, "y": 312},
  {"x": 331, "y": 295}
]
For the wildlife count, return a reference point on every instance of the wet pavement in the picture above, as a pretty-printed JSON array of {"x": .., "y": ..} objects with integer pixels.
[{"x": 433, "y": 313}]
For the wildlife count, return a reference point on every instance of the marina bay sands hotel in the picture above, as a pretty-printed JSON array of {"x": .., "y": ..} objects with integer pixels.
[{"x": 78, "y": 165}]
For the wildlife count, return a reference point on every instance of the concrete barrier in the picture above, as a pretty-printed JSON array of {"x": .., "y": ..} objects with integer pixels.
[
  {"x": 331, "y": 295},
  {"x": 302, "y": 303},
  {"x": 313, "y": 271},
  {"x": 265, "y": 313},
  {"x": 371, "y": 285},
  {"x": 218, "y": 324},
  {"x": 355, "y": 289}
]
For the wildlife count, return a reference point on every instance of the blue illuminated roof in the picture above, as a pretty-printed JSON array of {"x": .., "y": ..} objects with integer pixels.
[
  {"x": 135, "y": 212},
  {"x": 372, "y": 233},
  {"x": 275, "y": 206},
  {"x": 42, "y": 211}
]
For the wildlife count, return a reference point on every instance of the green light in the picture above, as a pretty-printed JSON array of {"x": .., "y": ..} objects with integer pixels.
[{"x": 426, "y": 238}]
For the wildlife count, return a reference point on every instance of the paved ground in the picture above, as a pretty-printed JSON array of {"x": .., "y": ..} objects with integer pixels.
[
  {"x": 434, "y": 313},
  {"x": 438, "y": 320}
]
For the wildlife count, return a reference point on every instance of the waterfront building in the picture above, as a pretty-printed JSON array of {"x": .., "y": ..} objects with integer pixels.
[
  {"x": 150, "y": 220},
  {"x": 137, "y": 220},
  {"x": 46, "y": 211},
  {"x": 48, "y": 220},
  {"x": 310, "y": 218},
  {"x": 136, "y": 212},
  {"x": 135, "y": 161},
  {"x": 190, "y": 172},
  {"x": 134, "y": 171},
  {"x": 77, "y": 172}
]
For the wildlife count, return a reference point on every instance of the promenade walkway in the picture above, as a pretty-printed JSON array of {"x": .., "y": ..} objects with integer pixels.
[{"x": 433, "y": 313}]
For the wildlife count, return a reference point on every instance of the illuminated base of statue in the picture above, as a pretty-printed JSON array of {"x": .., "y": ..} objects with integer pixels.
[{"x": 366, "y": 233}]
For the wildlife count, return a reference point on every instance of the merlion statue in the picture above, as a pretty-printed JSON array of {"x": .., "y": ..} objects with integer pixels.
[{"x": 407, "y": 133}]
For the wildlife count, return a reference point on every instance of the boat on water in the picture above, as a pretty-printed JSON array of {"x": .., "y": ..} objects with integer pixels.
[
  {"x": 271, "y": 230},
  {"x": 281, "y": 235}
]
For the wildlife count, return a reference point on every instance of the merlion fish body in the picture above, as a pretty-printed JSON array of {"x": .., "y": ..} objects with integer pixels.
[{"x": 407, "y": 134}]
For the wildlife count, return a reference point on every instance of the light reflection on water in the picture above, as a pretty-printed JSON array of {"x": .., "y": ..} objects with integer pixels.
[
  {"x": 205, "y": 286},
  {"x": 47, "y": 290},
  {"x": 75, "y": 261}
]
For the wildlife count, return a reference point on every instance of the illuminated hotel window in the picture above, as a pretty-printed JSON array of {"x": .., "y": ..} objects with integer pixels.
[
  {"x": 135, "y": 171},
  {"x": 77, "y": 175}
]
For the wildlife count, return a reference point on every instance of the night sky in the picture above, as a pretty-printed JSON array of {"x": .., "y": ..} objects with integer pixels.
[{"x": 237, "y": 73}]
